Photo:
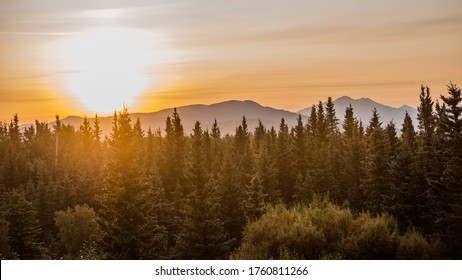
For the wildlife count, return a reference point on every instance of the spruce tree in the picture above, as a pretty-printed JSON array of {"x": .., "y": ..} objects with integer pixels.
[
  {"x": 5, "y": 249},
  {"x": 201, "y": 234},
  {"x": 254, "y": 204},
  {"x": 311, "y": 123},
  {"x": 242, "y": 154},
  {"x": 85, "y": 134},
  {"x": 425, "y": 117},
  {"x": 216, "y": 150},
  {"x": 427, "y": 154},
  {"x": 24, "y": 229},
  {"x": 333, "y": 151},
  {"x": 14, "y": 134},
  {"x": 331, "y": 119},
  {"x": 96, "y": 133},
  {"x": 349, "y": 123},
  {"x": 265, "y": 175},
  {"x": 392, "y": 138},
  {"x": 259, "y": 136},
  {"x": 231, "y": 200},
  {"x": 149, "y": 152},
  {"x": 454, "y": 111},
  {"x": 216, "y": 134},
  {"x": 173, "y": 157},
  {"x": 128, "y": 200},
  {"x": 42, "y": 191},
  {"x": 376, "y": 183},
  {"x": 285, "y": 177},
  {"x": 351, "y": 161},
  {"x": 449, "y": 224},
  {"x": 321, "y": 125},
  {"x": 407, "y": 199},
  {"x": 321, "y": 168},
  {"x": 87, "y": 168},
  {"x": 299, "y": 149}
]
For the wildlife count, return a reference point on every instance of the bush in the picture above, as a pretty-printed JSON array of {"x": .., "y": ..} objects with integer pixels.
[
  {"x": 372, "y": 238},
  {"x": 414, "y": 246},
  {"x": 280, "y": 234},
  {"x": 323, "y": 230},
  {"x": 77, "y": 227}
]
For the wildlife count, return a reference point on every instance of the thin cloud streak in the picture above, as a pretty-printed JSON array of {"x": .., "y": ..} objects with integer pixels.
[{"x": 254, "y": 49}]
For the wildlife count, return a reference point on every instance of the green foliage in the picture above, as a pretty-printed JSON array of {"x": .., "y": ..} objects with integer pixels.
[
  {"x": 299, "y": 147},
  {"x": 349, "y": 123},
  {"x": 449, "y": 212},
  {"x": 230, "y": 201},
  {"x": 129, "y": 200},
  {"x": 254, "y": 203},
  {"x": 372, "y": 238},
  {"x": 376, "y": 181},
  {"x": 242, "y": 154},
  {"x": 331, "y": 119},
  {"x": 5, "y": 249},
  {"x": 172, "y": 161},
  {"x": 426, "y": 118},
  {"x": 414, "y": 246},
  {"x": 201, "y": 234},
  {"x": 23, "y": 226},
  {"x": 284, "y": 171},
  {"x": 91, "y": 251},
  {"x": 323, "y": 230},
  {"x": 77, "y": 226}
]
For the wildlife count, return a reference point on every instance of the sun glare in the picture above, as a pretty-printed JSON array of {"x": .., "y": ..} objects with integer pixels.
[{"x": 106, "y": 68}]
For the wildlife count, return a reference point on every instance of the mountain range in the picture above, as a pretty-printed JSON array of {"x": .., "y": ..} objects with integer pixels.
[
  {"x": 362, "y": 109},
  {"x": 229, "y": 115}
]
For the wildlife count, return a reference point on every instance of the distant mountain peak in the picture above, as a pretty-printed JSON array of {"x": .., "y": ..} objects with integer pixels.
[
  {"x": 362, "y": 110},
  {"x": 249, "y": 102},
  {"x": 407, "y": 108},
  {"x": 344, "y": 98}
]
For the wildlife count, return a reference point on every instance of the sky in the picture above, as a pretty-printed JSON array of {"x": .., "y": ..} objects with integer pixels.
[{"x": 84, "y": 57}]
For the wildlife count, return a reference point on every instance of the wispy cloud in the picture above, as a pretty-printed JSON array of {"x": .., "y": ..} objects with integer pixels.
[
  {"x": 37, "y": 33},
  {"x": 249, "y": 49}
]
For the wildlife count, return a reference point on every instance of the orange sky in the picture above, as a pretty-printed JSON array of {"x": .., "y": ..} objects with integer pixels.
[{"x": 82, "y": 57}]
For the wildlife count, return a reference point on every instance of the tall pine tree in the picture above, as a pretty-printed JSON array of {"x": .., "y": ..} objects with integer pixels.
[
  {"x": 201, "y": 234},
  {"x": 129, "y": 200}
]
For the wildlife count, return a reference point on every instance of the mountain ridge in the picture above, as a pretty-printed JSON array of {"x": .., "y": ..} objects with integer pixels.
[
  {"x": 229, "y": 115},
  {"x": 362, "y": 109}
]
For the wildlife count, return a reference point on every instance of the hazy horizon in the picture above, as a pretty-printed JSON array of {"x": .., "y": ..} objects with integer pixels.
[{"x": 340, "y": 111}]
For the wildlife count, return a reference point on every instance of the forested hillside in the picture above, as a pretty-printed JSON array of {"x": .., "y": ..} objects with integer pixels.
[{"x": 393, "y": 191}]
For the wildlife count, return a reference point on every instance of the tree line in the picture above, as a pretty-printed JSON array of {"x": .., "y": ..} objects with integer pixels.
[{"x": 71, "y": 193}]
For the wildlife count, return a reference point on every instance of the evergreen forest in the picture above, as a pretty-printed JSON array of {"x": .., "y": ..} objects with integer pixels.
[{"x": 318, "y": 190}]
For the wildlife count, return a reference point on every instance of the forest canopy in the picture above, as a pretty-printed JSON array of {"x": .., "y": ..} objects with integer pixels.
[{"x": 395, "y": 189}]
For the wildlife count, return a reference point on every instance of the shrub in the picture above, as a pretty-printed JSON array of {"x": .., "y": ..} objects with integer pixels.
[
  {"x": 414, "y": 246},
  {"x": 323, "y": 230},
  {"x": 77, "y": 227}
]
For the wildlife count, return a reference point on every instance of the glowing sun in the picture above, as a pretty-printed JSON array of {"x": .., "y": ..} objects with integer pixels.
[{"x": 106, "y": 68}]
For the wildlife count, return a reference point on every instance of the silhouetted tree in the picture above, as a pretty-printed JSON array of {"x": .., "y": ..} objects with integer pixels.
[
  {"x": 23, "y": 226},
  {"x": 449, "y": 223},
  {"x": 129, "y": 200},
  {"x": 376, "y": 183},
  {"x": 201, "y": 234}
]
